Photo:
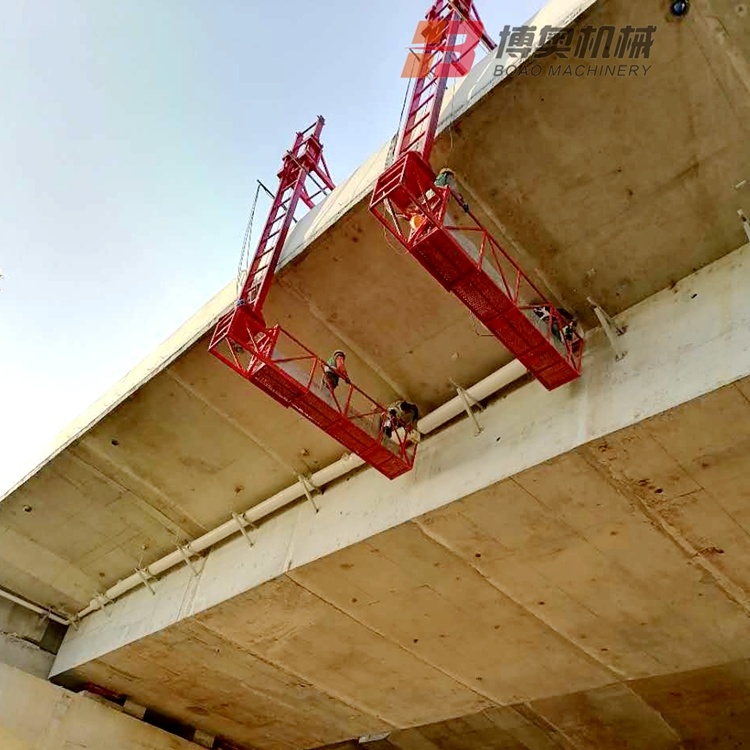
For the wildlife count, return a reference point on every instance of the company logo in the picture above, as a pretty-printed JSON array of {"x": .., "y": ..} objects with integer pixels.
[
  {"x": 590, "y": 41},
  {"x": 443, "y": 48},
  {"x": 606, "y": 43}
]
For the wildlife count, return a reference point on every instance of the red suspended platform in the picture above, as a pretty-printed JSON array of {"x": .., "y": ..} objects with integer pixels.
[
  {"x": 274, "y": 360},
  {"x": 451, "y": 245},
  {"x": 461, "y": 255},
  {"x": 278, "y": 364}
]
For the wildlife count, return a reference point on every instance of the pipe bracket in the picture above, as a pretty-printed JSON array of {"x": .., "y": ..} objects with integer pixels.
[
  {"x": 611, "y": 328},
  {"x": 241, "y": 523},
  {"x": 145, "y": 576},
  {"x": 469, "y": 405},
  {"x": 186, "y": 553},
  {"x": 309, "y": 489}
]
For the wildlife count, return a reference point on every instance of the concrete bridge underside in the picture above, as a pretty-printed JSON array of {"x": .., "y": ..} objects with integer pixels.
[
  {"x": 578, "y": 575},
  {"x": 598, "y": 596},
  {"x": 600, "y": 588},
  {"x": 595, "y": 601}
]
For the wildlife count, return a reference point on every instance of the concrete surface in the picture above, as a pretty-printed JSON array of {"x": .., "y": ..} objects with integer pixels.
[
  {"x": 21, "y": 622},
  {"x": 18, "y": 653},
  {"x": 588, "y": 590},
  {"x": 615, "y": 553},
  {"x": 10, "y": 741},
  {"x": 35, "y": 715},
  {"x": 703, "y": 708},
  {"x": 577, "y": 576},
  {"x": 675, "y": 342},
  {"x": 552, "y": 160},
  {"x": 27, "y": 641}
]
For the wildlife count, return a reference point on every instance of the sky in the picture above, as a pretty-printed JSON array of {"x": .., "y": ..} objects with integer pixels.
[{"x": 131, "y": 137}]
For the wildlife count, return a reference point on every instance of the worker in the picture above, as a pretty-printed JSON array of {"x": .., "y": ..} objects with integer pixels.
[
  {"x": 399, "y": 414},
  {"x": 335, "y": 368},
  {"x": 447, "y": 179},
  {"x": 415, "y": 218},
  {"x": 542, "y": 313},
  {"x": 569, "y": 322}
]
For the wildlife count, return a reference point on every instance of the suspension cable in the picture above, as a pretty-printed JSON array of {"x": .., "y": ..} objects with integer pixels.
[{"x": 245, "y": 254}]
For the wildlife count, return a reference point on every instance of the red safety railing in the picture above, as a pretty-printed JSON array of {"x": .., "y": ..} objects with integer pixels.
[
  {"x": 282, "y": 367},
  {"x": 455, "y": 248},
  {"x": 465, "y": 259}
]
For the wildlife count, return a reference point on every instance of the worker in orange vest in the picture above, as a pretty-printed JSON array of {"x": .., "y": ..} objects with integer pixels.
[
  {"x": 416, "y": 219},
  {"x": 446, "y": 178}
]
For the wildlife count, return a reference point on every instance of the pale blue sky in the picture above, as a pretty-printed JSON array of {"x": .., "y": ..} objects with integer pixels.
[{"x": 131, "y": 136}]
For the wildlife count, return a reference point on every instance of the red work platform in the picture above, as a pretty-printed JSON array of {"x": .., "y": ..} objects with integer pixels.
[
  {"x": 291, "y": 374},
  {"x": 463, "y": 257}
]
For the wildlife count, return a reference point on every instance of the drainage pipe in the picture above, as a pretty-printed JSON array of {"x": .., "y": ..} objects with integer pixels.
[
  {"x": 33, "y": 607},
  {"x": 485, "y": 388}
]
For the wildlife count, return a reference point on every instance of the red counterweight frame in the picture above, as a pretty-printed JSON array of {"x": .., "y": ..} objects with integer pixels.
[
  {"x": 274, "y": 360},
  {"x": 453, "y": 247}
]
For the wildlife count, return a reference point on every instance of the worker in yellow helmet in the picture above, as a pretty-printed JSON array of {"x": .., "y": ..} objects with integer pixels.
[
  {"x": 446, "y": 178},
  {"x": 335, "y": 368}
]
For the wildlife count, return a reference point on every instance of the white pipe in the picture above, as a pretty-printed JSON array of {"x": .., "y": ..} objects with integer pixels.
[
  {"x": 33, "y": 607},
  {"x": 485, "y": 388}
]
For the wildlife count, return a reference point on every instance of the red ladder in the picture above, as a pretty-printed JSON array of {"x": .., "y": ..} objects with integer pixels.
[
  {"x": 303, "y": 162},
  {"x": 438, "y": 58}
]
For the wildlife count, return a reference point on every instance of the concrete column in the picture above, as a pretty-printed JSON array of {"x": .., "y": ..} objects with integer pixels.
[{"x": 35, "y": 715}]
